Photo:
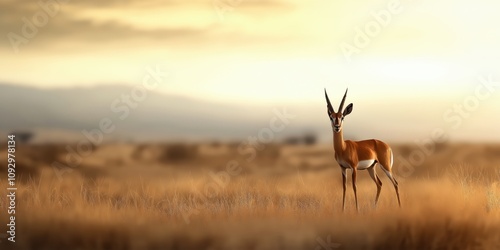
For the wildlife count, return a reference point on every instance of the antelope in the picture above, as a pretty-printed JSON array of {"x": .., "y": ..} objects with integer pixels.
[{"x": 359, "y": 155}]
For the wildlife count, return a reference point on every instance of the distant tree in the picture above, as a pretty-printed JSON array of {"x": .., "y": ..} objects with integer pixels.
[
  {"x": 178, "y": 152},
  {"x": 310, "y": 139},
  {"x": 22, "y": 136}
]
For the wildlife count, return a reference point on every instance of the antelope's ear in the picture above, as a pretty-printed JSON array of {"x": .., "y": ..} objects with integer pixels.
[{"x": 348, "y": 109}]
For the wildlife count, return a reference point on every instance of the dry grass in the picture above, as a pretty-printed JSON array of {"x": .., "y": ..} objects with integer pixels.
[{"x": 283, "y": 202}]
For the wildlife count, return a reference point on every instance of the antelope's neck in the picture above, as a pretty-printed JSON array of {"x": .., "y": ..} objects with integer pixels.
[{"x": 338, "y": 141}]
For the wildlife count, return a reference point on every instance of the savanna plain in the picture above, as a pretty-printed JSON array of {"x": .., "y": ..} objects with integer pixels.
[{"x": 280, "y": 196}]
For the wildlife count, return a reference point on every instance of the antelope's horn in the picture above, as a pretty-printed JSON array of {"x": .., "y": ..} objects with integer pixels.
[
  {"x": 329, "y": 104},
  {"x": 343, "y": 100}
]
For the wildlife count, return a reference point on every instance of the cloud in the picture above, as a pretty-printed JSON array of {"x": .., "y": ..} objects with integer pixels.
[{"x": 95, "y": 21}]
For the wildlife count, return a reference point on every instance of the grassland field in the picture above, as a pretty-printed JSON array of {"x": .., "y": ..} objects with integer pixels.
[{"x": 209, "y": 196}]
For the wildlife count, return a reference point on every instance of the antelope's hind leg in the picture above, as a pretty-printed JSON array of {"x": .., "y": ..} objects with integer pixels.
[
  {"x": 344, "y": 180},
  {"x": 394, "y": 182},
  {"x": 386, "y": 162},
  {"x": 376, "y": 179}
]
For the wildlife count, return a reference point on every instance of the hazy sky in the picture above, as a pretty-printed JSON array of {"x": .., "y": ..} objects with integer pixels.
[{"x": 419, "y": 59}]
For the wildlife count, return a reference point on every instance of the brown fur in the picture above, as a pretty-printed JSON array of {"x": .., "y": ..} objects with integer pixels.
[{"x": 352, "y": 152}]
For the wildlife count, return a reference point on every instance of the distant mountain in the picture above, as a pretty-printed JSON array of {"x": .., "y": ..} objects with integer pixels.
[{"x": 159, "y": 116}]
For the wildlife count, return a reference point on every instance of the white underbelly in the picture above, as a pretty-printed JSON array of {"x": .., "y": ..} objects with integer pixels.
[
  {"x": 365, "y": 164},
  {"x": 362, "y": 165}
]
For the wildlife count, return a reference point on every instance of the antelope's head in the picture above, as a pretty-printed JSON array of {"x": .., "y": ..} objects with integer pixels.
[{"x": 337, "y": 118}]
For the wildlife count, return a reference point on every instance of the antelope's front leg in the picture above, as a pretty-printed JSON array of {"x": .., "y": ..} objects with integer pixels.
[
  {"x": 344, "y": 180},
  {"x": 354, "y": 173}
]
